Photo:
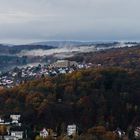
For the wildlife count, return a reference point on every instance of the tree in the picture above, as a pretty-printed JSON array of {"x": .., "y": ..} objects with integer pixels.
[{"x": 3, "y": 130}]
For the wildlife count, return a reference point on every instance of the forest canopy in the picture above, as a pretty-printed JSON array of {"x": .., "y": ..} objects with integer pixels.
[{"x": 103, "y": 96}]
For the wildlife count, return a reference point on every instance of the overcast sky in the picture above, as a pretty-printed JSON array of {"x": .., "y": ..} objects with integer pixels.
[{"x": 38, "y": 20}]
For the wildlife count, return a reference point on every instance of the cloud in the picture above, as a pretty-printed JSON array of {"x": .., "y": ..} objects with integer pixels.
[{"x": 69, "y": 19}]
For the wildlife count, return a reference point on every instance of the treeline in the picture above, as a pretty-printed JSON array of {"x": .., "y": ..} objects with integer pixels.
[
  {"x": 5, "y": 49},
  {"x": 106, "y": 97}
]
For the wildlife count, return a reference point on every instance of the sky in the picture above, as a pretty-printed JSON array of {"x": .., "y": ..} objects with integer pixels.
[{"x": 23, "y": 21}]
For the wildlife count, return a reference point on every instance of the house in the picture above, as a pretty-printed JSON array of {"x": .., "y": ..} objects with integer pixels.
[
  {"x": 137, "y": 132},
  {"x": 10, "y": 138},
  {"x": 64, "y": 64},
  {"x": 17, "y": 134},
  {"x": 119, "y": 132},
  {"x": 44, "y": 133},
  {"x": 62, "y": 71},
  {"x": 71, "y": 129},
  {"x": 1, "y": 121},
  {"x": 15, "y": 118}
]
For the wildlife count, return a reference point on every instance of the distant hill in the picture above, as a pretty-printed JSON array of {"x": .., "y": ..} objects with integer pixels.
[
  {"x": 42, "y": 52},
  {"x": 81, "y": 43},
  {"x": 125, "y": 57},
  {"x": 61, "y": 43},
  {"x": 17, "y": 48},
  {"x": 9, "y": 57}
]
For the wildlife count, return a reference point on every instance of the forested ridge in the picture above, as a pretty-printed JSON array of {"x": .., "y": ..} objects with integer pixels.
[
  {"x": 94, "y": 97},
  {"x": 127, "y": 57}
]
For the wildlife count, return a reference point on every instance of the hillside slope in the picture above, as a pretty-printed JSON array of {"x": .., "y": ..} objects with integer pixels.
[
  {"x": 127, "y": 57},
  {"x": 87, "y": 98}
]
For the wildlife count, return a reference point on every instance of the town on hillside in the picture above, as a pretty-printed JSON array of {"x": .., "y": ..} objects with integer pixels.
[{"x": 20, "y": 75}]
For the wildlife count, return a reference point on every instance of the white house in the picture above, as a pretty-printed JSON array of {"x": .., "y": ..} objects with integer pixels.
[
  {"x": 137, "y": 132},
  {"x": 17, "y": 134},
  {"x": 64, "y": 64},
  {"x": 15, "y": 118},
  {"x": 71, "y": 129},
  {"x": 1, "y": 121},
  {"x": 10, "y": 138},
  {"x": 44, "y": 133}
]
